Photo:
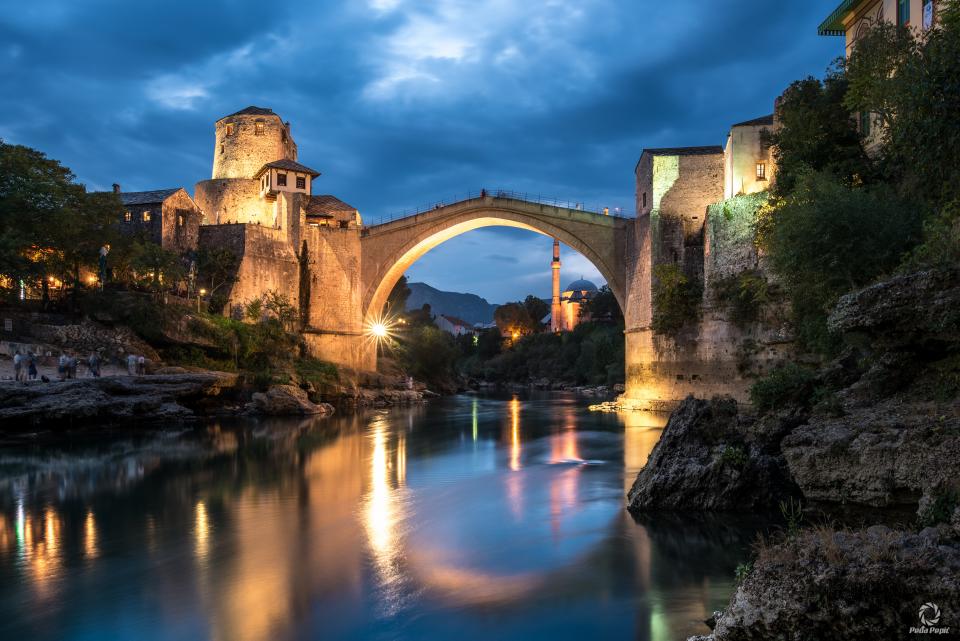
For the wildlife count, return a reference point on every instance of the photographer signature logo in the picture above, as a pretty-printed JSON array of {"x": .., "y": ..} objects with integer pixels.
[{"x": 929, "y": 615}]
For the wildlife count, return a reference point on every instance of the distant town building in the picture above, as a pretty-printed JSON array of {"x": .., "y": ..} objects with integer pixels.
[
  {"x": 330, "y": 211},
  {"x": 167, "y": 217},
  {"x": 748, "y": 164},
  {"x": 454, "y": 325}
]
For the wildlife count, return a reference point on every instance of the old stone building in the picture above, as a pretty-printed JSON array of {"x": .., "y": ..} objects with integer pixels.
[
  {"x": 167, "y": 217},
  {"x": 748, "y": 163}
]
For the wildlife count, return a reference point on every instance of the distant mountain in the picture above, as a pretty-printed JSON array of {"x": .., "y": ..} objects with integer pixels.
[{"x": 468, "y": 307}]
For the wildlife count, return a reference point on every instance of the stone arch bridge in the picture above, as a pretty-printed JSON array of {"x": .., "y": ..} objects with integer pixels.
[{"x": 389, "y": 249}]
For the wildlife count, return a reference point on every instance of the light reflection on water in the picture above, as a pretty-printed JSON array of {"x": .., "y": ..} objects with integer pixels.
[{"x": 472, "y": 518}]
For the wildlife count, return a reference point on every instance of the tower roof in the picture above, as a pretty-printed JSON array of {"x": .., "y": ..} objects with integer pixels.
[
  {"x": 762, "y": 120},
  {"x": 146, "y": 197},
  {"x": 253, "y": 111},
  {"x": 289, "y": 165}
]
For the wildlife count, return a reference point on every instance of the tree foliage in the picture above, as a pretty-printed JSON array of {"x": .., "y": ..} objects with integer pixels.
[
  {"x": 397, "y": 300},
  {"x": 536, "y": 308},
  {"x": 513, "y": 318},
  {"x": 817, "y": 131},
  {"x": 826, "y": 238}
]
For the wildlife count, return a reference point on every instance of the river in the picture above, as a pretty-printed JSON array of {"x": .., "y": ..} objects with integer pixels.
[{"x": 469, "y": 518}]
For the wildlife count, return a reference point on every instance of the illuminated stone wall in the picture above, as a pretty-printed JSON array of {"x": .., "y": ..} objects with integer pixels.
[
  {"x": 243, "y": 152},
  {"x": 180, "y": 223},
  {"x": 714, "y": 356},
  {"x": 233, "y": 200}
]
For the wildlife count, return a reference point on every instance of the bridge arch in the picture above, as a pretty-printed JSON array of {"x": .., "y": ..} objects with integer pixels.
[{"x": 389, "y": 249}]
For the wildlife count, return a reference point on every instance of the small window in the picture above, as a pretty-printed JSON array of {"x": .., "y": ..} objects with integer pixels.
[
  {"x": 180, "y": 220},
  {"x": 903, "y": 12},
  {"x": 221, "y": 150},
  {"x": 230, "y": 129},
  {"x": 644, "y": 199},
  {"x": 146, "y": 216},
  {"x": 301, "y": 182},
  {"x": 281, "y": 180},
  {"x": 283, "y": 135},
  {"x": 258, "y": 128},
  {"x": 927, "y": 14},
  {"x": 127, "y": 216},
  {"x": 761, "y": 171},
  {"x": 344, "y": 224}
]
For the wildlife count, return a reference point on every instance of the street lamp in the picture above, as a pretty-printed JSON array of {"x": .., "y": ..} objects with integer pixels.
[{"x": 200, "y": 295}]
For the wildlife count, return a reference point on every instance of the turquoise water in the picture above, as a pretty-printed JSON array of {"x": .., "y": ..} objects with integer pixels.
[{"x": 470, "y": 518}]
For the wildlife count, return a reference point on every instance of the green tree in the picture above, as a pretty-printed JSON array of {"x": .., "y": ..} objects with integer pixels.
[
  {"x": 536, "y": 309},
  {"x": 826, "y": 239},
  {"x": 156, "y": 267},
  {"x": 604, "y": 306},
  {"x": 817, "y": 131},
  {"x": 513, "y": 318},
  {"x": 429, "y": 354},
  {"x": 216, "y": 268}
]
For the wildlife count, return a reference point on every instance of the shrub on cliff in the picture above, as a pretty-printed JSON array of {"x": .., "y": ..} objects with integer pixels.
[
  {"x": 787, "y": 385},
  {"x": 744, "y": 294},
  {"x": 676, "y": 299},
  {"x": 826, "y": 239}
]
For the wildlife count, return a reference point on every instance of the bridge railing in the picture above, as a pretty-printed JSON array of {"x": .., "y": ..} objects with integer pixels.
[{"x": 617, "y": 212}]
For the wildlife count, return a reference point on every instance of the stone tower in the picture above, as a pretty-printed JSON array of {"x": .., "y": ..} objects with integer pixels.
[
  {"x": 245, "y": 142},
  {"x": 555, "y": 310}
]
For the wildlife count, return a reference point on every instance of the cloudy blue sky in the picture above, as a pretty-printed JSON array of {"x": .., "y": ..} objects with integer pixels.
[{"x": 402, "y": 102}]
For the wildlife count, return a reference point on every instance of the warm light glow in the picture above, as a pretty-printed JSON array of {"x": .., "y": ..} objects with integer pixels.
[
  {"x": 379, "y": 330},
  {"x": 203, "y": 292},
  {"x": 201, "y": 532},
  {"x": 89, "y": 536},
  {"x": 515, "y": 434}
]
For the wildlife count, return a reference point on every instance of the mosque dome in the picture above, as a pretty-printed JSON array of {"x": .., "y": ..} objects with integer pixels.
[{"x": 581, "y": 286}]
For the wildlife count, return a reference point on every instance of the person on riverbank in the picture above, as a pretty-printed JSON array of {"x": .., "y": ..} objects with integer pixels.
[
  {"x": 141, "y": 366},
  {"x": 18, "y": 366},
  {"x": 32, "y": 366},
  {"x": 72, "y": 367},
  {"x": 62, "y": 366},
  {"x": 93, "y": 365},
  {"x": 131, "y": 364}
]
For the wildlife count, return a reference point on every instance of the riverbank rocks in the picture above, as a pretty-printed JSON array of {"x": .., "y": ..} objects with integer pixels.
[
  {"x": 82, "y": 401},
  {"x": 883, "y": 455},
  {"x": 840, "y": 585},
  {"x": 710, "y": 458},
  {"x": 287, "y": 400}
]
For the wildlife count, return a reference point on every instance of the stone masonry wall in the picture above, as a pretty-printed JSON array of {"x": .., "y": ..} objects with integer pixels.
[
  {"x": 176, "y": 237},
  {"x": 714, "y": 356},
  {"x": 242, "y": 153},
  {"x": 334, "y": 330},
  {"x": 267, "y": 261},
  {"x": 232, "y": 200}
]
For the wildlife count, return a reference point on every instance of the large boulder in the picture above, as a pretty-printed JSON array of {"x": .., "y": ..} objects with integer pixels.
[
  {"x": 287, "y": 400},
  {"x": 710, "y": 458},
  {"x": 840, "y": 585},
  {"x": 886, "y": 454}
]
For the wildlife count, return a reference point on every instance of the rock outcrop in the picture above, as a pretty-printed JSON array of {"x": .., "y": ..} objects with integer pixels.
[
  {"x": 881, "y": 455},
  {"x": 72, "y": 402},
  {"x": 839, "y": 585},
  {"x": 710, "y": 458},
  {"x": 287, "y": 400}
]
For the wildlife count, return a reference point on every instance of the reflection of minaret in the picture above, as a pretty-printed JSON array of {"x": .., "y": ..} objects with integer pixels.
[{"x": 555, "y": 311}]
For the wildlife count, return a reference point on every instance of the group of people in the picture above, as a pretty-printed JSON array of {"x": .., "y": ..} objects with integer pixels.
[{"x": 25, "y": 366}]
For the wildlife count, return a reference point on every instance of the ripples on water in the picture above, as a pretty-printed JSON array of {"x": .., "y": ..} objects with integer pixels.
[{"x": 471, "y": 518}]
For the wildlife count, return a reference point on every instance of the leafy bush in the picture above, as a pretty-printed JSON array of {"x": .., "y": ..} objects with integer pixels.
[
  {"x": 787, "y": 385},
  {"x": 826, "y": 239},
  {"x": 315, "y": 371},
  {"x": 734, "y": 456},
  {"x": 676, "y": 299},
  {"x": 744, "y": 294}
]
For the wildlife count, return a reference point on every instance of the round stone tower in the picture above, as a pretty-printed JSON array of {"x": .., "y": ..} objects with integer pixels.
[
  {"x": 245, "y": 142},
  {"x": 249, "y": 139}
]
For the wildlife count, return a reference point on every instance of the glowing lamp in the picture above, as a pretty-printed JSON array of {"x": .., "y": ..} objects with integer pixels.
[{"x": 378, "y": 329}]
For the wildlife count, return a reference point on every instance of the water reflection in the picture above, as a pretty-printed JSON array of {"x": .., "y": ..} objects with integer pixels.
[{"x": 471, "y": 519}]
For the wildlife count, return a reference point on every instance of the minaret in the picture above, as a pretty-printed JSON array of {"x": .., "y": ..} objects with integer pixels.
[{"x": 555, "y": 311}]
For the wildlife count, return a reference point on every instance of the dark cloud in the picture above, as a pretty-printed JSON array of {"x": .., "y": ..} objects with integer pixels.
[{"x": 400, "y": 103}]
